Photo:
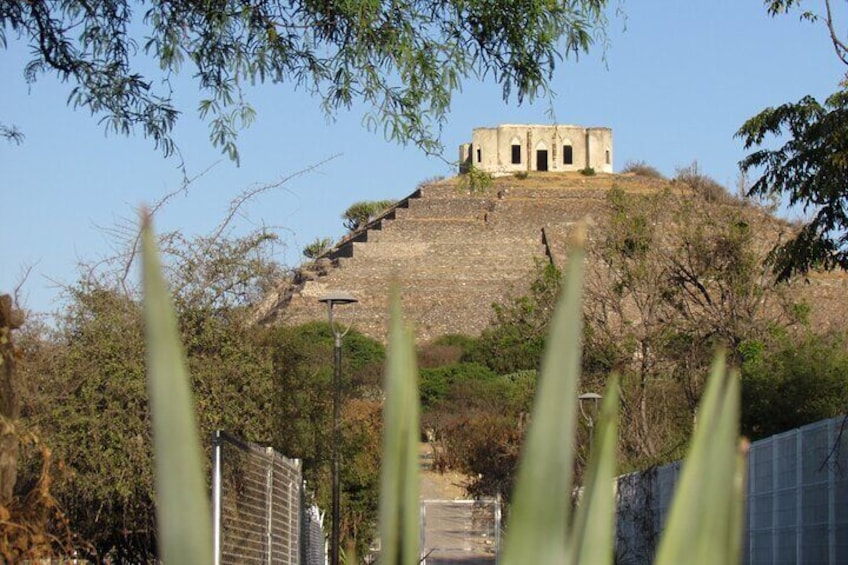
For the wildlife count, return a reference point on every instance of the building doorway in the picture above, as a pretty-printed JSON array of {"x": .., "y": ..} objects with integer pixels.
[{"x": 541, "y": 159}]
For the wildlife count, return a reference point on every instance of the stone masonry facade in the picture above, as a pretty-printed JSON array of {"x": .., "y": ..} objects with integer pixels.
[{"x": 511, "y": 148}]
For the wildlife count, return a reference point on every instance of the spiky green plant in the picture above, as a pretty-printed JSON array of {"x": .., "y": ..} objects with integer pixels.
[
  {"x": 183, "y": 516},
  {"x": 706, "y": 518}
]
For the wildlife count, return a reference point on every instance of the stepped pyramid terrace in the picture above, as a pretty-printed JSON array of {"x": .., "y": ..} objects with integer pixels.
[{"x": 454, "y": 251}]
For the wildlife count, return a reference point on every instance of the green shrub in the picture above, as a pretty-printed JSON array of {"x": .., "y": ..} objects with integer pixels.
[
  {"x": 445, "y": 350},
  {"x": 361, "y": 213},
  {"x": 790, "y": 384},
  {"x": 588, "y": 171},
  {"x": 436, "y": 382},
  {"x": 318, "y": 247},
  {"x": 474, "y": 180}
]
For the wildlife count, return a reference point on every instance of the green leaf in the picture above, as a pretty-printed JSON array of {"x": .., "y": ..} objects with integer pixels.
[
  {"x": 537, "y": 524},
  {"x": 182, "y": 507},
  {"x": 705, "y": 520},
  {"x": 399, "y": 506},
  {"x": 593, "y": 533}
]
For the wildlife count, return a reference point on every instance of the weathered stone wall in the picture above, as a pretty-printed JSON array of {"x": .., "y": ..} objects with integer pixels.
[{"x": 539, "y": 148}]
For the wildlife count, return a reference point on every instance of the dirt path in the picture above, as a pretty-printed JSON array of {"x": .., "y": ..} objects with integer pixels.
[
  {"x": 455, "y": 533},
  {"x": 435, "y": 485}
]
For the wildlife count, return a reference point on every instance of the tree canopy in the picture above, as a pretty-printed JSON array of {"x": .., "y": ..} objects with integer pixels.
[
  {"x": 360, "y": 213},
  {"x": 402, "y": 58},
  {"x": 810, "y": 168}
]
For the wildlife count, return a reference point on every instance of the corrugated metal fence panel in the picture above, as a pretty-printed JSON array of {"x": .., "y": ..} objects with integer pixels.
[{"x": 797, "y": 500}]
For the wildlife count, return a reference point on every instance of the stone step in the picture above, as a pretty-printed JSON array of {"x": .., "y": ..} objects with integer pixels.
[
  {"x": 434, "y": 308},
  {"x": 570, "y": 186},
  {"x": 541, "y": 194},
  {"x": 439, "y": 250},
  {"x": 444, "y": 208},
  {"x": 443, "y": 275},
  {"x": 513, "y": 214},
  {"x": 451, "y": 230}
]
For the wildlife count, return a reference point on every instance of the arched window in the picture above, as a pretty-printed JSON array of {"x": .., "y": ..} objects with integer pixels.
[
  {"x": 516, "y": 151},
  {"x": 567, "y": 154},
  {"x": 607, "y": 156},
  {"x": 541, "y": 156}
]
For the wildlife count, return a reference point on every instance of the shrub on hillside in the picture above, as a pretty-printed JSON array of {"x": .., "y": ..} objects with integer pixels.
[
  {"x": 435, "y": 383},
  {"x": 642, "y": 169},
  {"x": 705, "y": 186},
  {"x": 445, "y": 350}
]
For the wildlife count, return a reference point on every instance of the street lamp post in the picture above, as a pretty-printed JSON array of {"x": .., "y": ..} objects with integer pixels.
[
  {"x": 331, "y": 300},
  {"x": 592, "y": 399}
]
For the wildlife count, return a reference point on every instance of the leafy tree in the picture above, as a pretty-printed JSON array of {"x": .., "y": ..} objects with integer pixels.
[
  {"x": 91, "y": 408},
  {"x": 673, "y": 277},
  {"x": 403, "y": 59},
  {"x": 86, "y": 387},
  {"x": 360, "y": 213},
  {"x": 317, "y": 248},
  {"x": 482, "y": 424},
  {"x": 515, "y": 338},
  {"x": 788, "y": 383},
  {"x": 303, "y": 375},
  {"x": 810, "y": 167}
]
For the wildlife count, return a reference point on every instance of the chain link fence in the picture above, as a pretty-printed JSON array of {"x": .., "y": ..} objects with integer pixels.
[{"x": 260, "y": 513}]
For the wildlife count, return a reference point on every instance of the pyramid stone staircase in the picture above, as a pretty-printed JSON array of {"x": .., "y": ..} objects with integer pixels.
[{"x": 450, "y": 252}]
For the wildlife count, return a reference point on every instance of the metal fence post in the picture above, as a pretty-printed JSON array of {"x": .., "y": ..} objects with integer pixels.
[
  {"x": 216, "y": 495},
  {"x": 498, "y": 517},
  {"x": 269, "y": 506}
]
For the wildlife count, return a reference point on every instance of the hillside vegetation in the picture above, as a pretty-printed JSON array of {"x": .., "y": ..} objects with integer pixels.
[{"x": 674, "y": 272}]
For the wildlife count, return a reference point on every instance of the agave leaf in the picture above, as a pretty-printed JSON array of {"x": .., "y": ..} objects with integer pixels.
[
  {"x": 593, "y": 533},
  {"x": 737, "y": 523},
  {"x": 399, "y": 506},
  {"x": 537, "y": 523},
  {"x": 182, "y": 508},
  {"x": 705, "y": 512}
]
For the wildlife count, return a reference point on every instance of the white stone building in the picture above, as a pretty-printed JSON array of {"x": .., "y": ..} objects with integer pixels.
[{"x": 511, "y": 148}]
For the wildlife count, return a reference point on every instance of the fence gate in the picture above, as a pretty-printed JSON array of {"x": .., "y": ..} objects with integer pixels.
[
  {"x": 466, "y": 532},
  {"x": 258, "y": 505}
]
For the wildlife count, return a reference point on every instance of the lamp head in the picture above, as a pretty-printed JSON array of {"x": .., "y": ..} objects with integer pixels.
[{"x": 338, "y": 297}]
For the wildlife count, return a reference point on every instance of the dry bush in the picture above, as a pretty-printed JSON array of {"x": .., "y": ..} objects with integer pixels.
[
  {"x": 642, "y": 169},
  {"x": 706, "y": 186},
  {"x": 437, "y": 355},
  {"x": 34, "y": 526}
]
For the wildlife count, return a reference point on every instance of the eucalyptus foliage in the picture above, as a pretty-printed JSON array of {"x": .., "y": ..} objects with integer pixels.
[{"x": 402, "y": 58}]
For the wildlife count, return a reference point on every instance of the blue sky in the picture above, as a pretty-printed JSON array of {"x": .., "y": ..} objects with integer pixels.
[{"x": 675, "y": 83}]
